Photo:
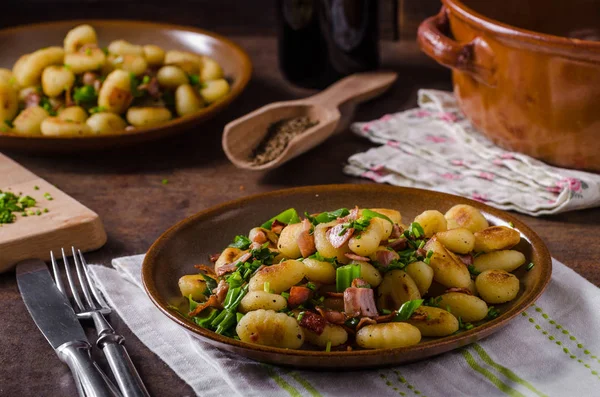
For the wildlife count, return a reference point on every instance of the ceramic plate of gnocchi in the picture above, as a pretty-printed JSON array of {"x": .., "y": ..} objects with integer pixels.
[
  {"x": 346, "y": 276},
  {"x": 96, "y": 84}
]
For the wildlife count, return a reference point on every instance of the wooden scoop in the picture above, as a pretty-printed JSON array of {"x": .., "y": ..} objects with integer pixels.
[{"x": 243, "y": 135}]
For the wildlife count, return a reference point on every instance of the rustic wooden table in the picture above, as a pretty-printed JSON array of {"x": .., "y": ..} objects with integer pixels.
[{"x": 124, "y": 187}]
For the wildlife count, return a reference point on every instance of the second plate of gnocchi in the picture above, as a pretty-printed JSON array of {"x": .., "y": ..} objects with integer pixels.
[{"x": 112, "y": 82}]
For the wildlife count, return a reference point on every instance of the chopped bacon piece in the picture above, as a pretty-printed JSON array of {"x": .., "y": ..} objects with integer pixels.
[
  {"x": 298, "y": 295},
  {"x": 305, "y": 240},
  {"x": 419, "y": 316},
  {"x": 398, "y": 244},
  {"x": 227, "y": 268},
  {"x": 214, "y": 257},
  {"x": 364, "y": 322},
  {"x": 260, "y": 237},
  {"x": 461, "y": 290},
  {"x": 232, "y": 267},
  {"x": 385, "y": 257},
  {"x": 466, "y": 259},
  {"x": 255, "y": 246},
  {"x": 421, "y": 252},
  {"x": 352, "y": 216},
  {"x": 360, "y": 283},
  {"x": 385, "y": 318},
  {"x": 152, "y": 87},
  {"x": 333, "y": 235},
  {"x": 360, "y": 302},
  {"x": 209, "y": 270},
  {"x": 277, "y": 227},
  {"x": 332, "y": 316},
  {"x": 313, "y": 322},
  {"x": 32, "y": 99},
  {"x": 335, "y": 294},
  {"x": 89, "y": 78},
  {"x": 212, "y": 301},
  {"x": 396, "y": 231},
  {"x": 221, "y": 291},
  {"x": 355, "y": 257}
]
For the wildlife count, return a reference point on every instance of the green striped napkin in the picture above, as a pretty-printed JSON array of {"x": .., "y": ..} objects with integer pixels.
[{"x": 553, "y": 349}]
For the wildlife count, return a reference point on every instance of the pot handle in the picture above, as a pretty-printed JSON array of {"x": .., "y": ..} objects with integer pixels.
[{"x": 474, "y": 58}]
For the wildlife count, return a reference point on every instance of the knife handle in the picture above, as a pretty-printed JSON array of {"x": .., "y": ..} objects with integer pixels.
[
  {"x": 128, "y": 379},
  {"x": 90, "y": 380}
]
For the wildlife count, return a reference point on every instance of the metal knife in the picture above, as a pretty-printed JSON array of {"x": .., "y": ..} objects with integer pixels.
[{"x": 54, "y": 316}]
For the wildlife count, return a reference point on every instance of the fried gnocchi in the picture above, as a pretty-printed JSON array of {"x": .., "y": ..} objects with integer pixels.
[
  {"x": 131, "y": 85},
  {"x": 355, "y": 279}
]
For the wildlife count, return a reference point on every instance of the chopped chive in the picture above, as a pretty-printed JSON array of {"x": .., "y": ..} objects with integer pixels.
[
  {"x": 36, "y": 188},
  {"x": 529, "y": 266},
  {"x": 511, "y": 224},
  {"x": 386, "y": 311},
  {"x": 286, "y": 295},
  {"x": 48, "y": 196},
  {"x": 300, "y": 316},
  {"x": 45, "y": 209},
  {"x": 311, "y": 286},
  {"x": 328, "y": 347},
  {"x": 165, "y": 181},
  {"x": 38, "y": 212}
]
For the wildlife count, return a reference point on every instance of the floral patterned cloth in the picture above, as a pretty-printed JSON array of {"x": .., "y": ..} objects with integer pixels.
[{"x": 435, "y": 147}]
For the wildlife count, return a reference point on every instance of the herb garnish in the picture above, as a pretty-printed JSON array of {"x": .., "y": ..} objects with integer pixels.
[{"x": 241, "y": 242}]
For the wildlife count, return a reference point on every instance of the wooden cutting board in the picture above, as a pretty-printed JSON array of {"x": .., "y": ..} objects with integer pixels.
[{"x": 67, "y": 222}]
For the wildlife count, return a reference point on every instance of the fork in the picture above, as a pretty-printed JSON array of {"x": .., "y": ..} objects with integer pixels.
[{"x": 95, "y": 308}]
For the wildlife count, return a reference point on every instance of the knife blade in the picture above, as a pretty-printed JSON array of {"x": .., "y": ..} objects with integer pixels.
[{"x": 54, "y": 316}]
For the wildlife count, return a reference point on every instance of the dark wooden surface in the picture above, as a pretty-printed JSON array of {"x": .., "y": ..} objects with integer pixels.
[{"x": 125, "y": 188}]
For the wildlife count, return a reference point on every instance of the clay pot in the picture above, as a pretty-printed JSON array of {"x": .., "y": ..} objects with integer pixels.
[{"x": 526, "y": 73}]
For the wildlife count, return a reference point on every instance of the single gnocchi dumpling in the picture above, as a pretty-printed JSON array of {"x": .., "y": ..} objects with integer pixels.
[
  {"x": 396, "y": 288},
  {"x": 497, "y": 286},
  {"x": 319, "y": 271},
  {"x": 155, "y": 56},
  {"x": 269, "y": 328},
  {"x": 56, "y": 80},
  {"x": 432, "y": 222},
  {"x": 214, "y": 90},
  {"x": 115, "y": 94},
  {"x": 106, "y": 123},
  {"x": 148, "y": 116},
  {"x": 280, "y": 277},
  {"x": 171, "y": 76},
  {"x": 78, "y": 37},
  {"x": 255, "y": 300},
  {"x": 29, "y": 121},
  {"x": 433, "y": 321},
  {"x": 28, "y": 69},
  {"x": 469, "y": 217},
  {"x": 88, "y": 60},
  {"x": 194, "y": 286},
  {"x": 388, "y": 336},
  {"x": 9, "y": 98},
  {"x": 55, "y": 126},
  {"x": 123, "y": 47},
  {"x": 73, "y": 113}
]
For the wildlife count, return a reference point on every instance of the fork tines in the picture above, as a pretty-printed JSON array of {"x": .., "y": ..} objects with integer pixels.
[{"x": 93, "y": 298}]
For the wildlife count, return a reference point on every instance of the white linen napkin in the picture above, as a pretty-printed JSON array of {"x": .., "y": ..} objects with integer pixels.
[
  {"x": 435, "y": 147},
  {"x": 553, "y": 349}
]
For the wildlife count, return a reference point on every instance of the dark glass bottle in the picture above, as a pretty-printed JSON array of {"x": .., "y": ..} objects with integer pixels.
[{"x": 321, "y": 41}]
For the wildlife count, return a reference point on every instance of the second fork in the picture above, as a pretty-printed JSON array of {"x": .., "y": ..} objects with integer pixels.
[{"x": 95, "y": 307}]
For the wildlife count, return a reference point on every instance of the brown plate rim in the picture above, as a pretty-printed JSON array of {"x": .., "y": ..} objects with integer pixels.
[
  {"x": 177, "y": 123},
  {"x": 461, "y": 339}
]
